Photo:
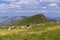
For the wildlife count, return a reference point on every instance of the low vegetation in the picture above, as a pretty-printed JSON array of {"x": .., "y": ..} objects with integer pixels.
[
  {"x": 39, "y": 29},
  {"x": 48, "y": 31}
]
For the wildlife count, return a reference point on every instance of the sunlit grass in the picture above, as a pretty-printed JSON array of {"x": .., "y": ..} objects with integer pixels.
[{"x": 36, "y": 32}]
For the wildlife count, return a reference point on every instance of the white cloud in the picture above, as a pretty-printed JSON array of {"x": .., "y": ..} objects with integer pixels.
[
  {"x": 49, "y": 0},
  {"x": 3, "y": 6},
  {"x": 26, "y": 2},
  {"x": 15, "y": 5},
  {"x": 54, "y": 5},
  {"x": 31, "y": 11},
  {"x": 29, "y": 2},
  {"x": 23, "y": 2},
  {"x": 44, "y": 7},
  {"x": 8, "y": 6},
  {"x": 19, "y": 3},
  {"x": 33, "y": 0},
  {"x": 10, "y": 0}
]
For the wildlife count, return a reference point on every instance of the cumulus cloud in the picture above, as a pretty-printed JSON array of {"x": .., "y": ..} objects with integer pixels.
[
  {"x": 27, "y": 2},
  {"x": 16, "y": 5},
  {"x": 33, "y": 0},
  {"x": 22, "y": 1},
  {"x": 53, "y": 5}
]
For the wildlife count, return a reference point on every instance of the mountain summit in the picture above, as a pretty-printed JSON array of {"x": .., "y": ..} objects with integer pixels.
[{"x": 39, "y": 18}]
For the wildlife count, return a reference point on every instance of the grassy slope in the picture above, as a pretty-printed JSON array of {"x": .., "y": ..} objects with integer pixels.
[
  {"x": 39, "y": 18},
  {"x": 37, "y": 32},
  {"x": 51, "y": 35}
]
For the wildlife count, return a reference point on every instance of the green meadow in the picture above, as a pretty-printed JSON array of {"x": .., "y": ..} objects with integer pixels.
[
  {"x": 45, "y": 31},
  {"x": 39, "y": 29}
]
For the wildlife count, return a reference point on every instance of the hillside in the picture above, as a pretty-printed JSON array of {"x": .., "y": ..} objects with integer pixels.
[
  {"x": 49, "y": 31},
  {"x": 39, "y": 18}
]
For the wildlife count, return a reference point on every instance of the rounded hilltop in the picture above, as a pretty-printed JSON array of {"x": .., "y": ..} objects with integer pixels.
[{"x": 35, "y": 19}]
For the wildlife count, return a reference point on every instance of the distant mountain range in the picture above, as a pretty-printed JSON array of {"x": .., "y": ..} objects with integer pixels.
[
  {"x": 58, "y": 19},
  {"x": 54, "y": 19},
  {"x": 7, "y": 20}
]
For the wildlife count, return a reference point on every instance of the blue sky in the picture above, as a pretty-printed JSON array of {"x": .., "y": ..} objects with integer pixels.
[{"x": 10, "y": 8}]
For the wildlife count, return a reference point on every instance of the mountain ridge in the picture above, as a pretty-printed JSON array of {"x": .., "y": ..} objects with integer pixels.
[{"x": 39, "y": 18}]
